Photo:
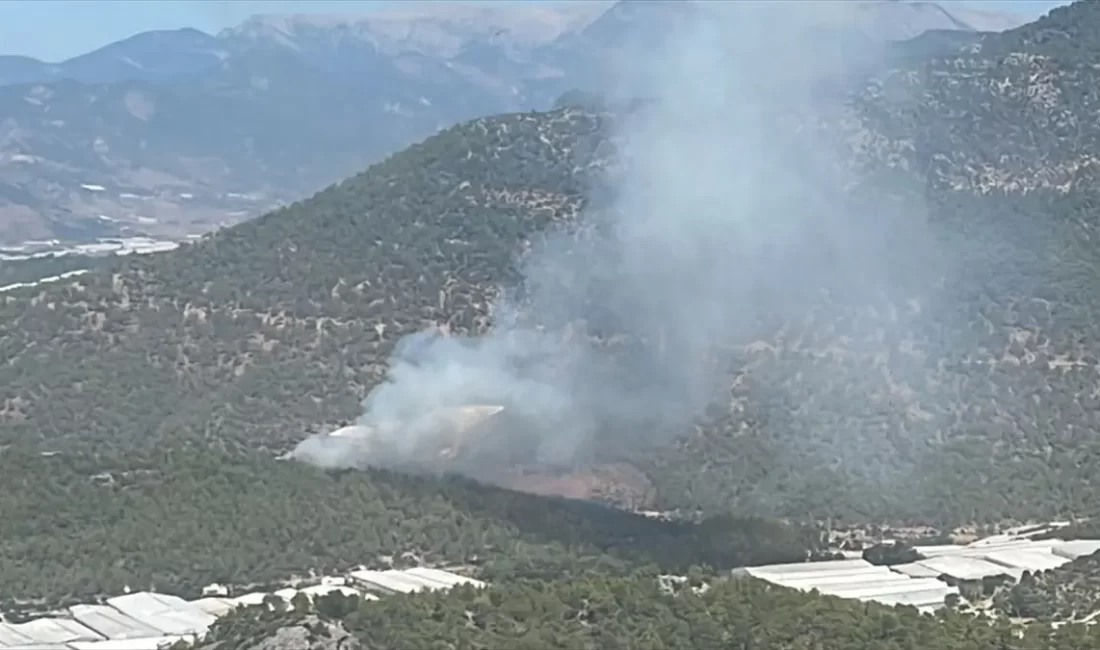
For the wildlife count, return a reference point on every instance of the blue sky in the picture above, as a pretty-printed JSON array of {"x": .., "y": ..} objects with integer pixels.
[{"x": 53, "y": 30}]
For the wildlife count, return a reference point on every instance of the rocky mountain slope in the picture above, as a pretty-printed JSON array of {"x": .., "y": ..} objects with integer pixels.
[
  {"x": 142, "y": 405},
  {"x": 183, "y": 131}
]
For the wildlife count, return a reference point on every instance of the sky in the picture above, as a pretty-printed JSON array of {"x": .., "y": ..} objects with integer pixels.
[{"x": 53, "y": 30}]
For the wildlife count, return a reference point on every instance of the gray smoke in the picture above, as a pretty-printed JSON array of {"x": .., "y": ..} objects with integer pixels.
[{"x": 730, "y": 211}]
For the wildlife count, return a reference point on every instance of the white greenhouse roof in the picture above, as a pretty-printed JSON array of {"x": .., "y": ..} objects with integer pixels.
[
  {"x": 286, "y": 594},
  {"x": 916, "y": 570},
  {"x": 815, "y": 575},
  {"x": 180, "y": 622},
  {"x": 9, "y": 637},
  {"x": 147, "y": 602},
  {"x": 214, "y": 605},
  {"x": 860, "y": 580},
  {"x": 939, "y": 549},
  {"x": 54, "y": 630},
  {"x": 150, "y": 621},
  {"x": 800, "y": 567},
  {"x": 445, "y": 577},
  {"x": 110, "y": 623},
  {"x": 333, "y": 580},
  {"x": 930, "y": 598},
  {"x": 323, "y": 590},
  {"x": 980, "y": 550},
  {"x": 395, "y": 581},
  {"x": 885, "y": 575},
  {"x": 1076, "y": 548},
  {"x": 893, "y": 587},
  {"x": 995, "y": 540},
  {"x": 168, "y": 614},
  {"x": 965, "y": 567},
  {"x": 1027, "y": 559},
  {"x": 249, "y": 599},
  {"x": 147, "y": 643}
]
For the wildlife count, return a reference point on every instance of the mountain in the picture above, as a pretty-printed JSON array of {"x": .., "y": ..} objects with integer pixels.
[
  {"x": 921, "y": 346},
  {"x": 180, "y": 131},
  {"x": 148, "y": 56}
]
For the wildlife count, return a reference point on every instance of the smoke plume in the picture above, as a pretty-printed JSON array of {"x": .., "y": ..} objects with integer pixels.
[{"x": 731, "y": 210}]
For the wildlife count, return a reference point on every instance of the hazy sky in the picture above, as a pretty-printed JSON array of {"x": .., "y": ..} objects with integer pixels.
[{"x": 53, "y": 30}]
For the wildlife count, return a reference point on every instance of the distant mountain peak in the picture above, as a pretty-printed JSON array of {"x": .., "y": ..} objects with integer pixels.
[
  {"x": 281, "y": 104},
  {"x": 439, "y": 30}
]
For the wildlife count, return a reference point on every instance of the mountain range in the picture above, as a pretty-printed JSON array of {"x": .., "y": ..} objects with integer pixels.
[
  {"x": 891, "y": 273},
  {"x": 179, "y": 131}
]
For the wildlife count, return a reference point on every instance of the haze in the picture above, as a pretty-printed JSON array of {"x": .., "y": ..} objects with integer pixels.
[
  {"x": 54, "y": 30},
  {"x": 724, "y": 219}
]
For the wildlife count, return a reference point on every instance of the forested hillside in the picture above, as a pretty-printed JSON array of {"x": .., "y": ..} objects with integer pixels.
[
  {"x": 1069, "y": 593},
  {"x": 80, "y": 526},
  {"x": 638, "y": 611},
  {"x": 141, "y": 406}
]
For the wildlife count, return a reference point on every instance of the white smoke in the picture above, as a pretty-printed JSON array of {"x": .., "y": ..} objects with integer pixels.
[{"x": 728, "y": 212}]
